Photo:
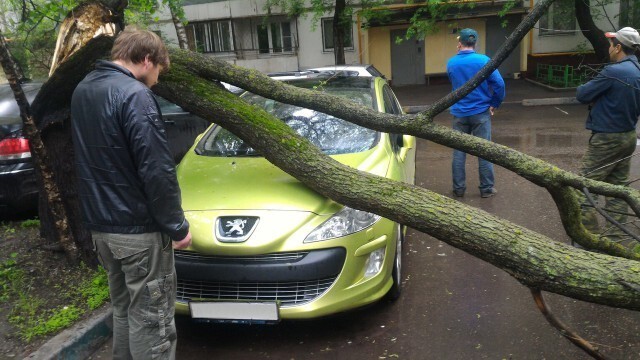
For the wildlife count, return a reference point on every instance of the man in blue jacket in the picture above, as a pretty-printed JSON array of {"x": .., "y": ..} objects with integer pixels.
[
  {"x": 472, "y": 114},
  {"x": 614, "y": 98},
  {"x": 128, "y": 193}
]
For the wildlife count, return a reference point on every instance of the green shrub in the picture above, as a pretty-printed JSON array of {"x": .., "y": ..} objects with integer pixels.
[{"x": 31, "y": 223}]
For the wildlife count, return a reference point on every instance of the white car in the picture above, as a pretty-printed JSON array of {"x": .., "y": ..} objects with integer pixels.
[{"x": 352, "y": 70}]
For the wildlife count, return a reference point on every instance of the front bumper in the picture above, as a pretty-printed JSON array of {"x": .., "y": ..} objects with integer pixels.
[
  {"x": 288, "y": 278},
  {"x": 307, "y": 284},
  {"x": 18, "y": 187}
]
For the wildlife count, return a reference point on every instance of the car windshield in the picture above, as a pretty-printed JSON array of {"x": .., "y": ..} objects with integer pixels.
[
  {"x": 332, "y": 135},
  {"x": 9, "y": 110}
]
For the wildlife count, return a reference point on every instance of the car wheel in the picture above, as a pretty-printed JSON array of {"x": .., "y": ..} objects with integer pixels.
[{"x": 396, "y": 274}]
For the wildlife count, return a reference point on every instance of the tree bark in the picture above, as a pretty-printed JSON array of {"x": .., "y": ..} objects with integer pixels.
[
  {"x": 589, "y": 29},
  {"x": 51, "y": 110},
  {"x": 87, "y": 31},
  {"x": 180, "y": 30}
]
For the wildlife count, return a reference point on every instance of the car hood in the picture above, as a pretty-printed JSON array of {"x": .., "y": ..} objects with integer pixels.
[{"x": 253, "y": 183}]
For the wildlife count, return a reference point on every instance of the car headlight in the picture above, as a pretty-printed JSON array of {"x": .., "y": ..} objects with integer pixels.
[{"x": 344, "y": 222}]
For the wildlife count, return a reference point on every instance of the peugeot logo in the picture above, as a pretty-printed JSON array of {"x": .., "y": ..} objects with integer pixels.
[{"x": 235, "y": 229}]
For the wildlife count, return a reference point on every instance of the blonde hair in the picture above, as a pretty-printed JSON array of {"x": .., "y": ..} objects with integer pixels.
[{"x": 133, "y": 45}]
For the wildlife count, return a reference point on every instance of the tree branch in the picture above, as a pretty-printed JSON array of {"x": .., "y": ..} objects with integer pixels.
[
  {"x": 531, "y": 258},
  {"x": 535, "y": 170},
  {"x": 563, "y": 329}
]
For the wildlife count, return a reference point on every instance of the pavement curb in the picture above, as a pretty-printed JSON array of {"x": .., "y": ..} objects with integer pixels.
[
  {"x": 79, "y": 341},
  {"x": 550, "y": 101}
]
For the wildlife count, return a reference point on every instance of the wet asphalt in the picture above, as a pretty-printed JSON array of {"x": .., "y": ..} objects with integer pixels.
[{"x": 453, "y": 305}]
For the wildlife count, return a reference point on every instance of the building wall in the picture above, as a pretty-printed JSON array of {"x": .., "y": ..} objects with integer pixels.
[
  {"x": 377, "y": 49},
  {"x": 312, "y": 54},
  {"x": 439, "y": 46},
  {"x": 308, "y": 35},
  {"x": 541, "y": 44}
]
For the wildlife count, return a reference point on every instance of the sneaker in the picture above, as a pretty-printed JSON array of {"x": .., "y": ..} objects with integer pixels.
[
  {"x": 458, "y": 193},
  {"x": 489, "y": 193}
]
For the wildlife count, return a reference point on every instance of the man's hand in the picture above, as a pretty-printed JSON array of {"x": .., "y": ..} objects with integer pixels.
[
  {"x": 184, "y": 243},
  {"x": 491, "y": 108}
]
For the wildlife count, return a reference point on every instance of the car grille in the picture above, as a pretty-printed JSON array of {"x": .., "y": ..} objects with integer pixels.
[
  {"x": 287, "y": 293},
  {"x": 284, "y": 256}
]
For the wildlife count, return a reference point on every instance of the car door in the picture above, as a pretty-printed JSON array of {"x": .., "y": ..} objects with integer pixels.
[{"x": 403, "y": 146}]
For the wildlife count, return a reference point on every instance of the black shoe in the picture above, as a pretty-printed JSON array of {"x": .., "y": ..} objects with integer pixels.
[
  {"x": 489, "y": 193},
  {"x": 458, "y": 193}
]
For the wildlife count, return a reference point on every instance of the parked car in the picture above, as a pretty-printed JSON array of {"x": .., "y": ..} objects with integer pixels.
[
  {"x": 18, "y": 188},
  {"x": 290, "y": 75},
  {"x": 265, "y": 246},
  {"x": 350, "y": 70}
]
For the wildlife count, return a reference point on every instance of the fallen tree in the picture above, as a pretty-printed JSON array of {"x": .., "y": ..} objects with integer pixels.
[{"x": 533, "y": 259}]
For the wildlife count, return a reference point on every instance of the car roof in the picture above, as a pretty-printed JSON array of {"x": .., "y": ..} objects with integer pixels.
[
  {"x": 9, "y": 109},
  {"x": 361, "y": 69},
  {"x": 333, "y": 80}
]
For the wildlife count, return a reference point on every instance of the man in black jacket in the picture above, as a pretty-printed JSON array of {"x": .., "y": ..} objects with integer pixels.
[{"x": 129, "y": 193}]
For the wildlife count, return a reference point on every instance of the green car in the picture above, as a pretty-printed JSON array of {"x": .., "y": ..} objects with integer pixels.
[{"x": 265, "y": 246}]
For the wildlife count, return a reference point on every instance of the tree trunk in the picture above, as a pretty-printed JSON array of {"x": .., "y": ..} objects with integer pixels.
[
  {"x": 52, "y": 114},
  {"x": 180, "y": 30},
  {"x": 85, "y": 22},
  {"x": 589, "y": 29},
  {"x": 53, "y": 197},
  {"x": 339, "y": 32},
  {"x": 51, "y": 109}
]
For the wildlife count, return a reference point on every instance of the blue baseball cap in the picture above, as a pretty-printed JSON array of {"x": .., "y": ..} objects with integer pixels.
[{"x": 468, "y": 35}]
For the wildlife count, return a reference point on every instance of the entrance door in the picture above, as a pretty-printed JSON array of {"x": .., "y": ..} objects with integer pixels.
[
  {"x": 407, "y": 60},
  {"x": 495, "y": 38}
]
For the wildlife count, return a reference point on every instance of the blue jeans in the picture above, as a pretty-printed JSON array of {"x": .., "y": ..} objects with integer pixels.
[{"x": 478, "y": 125}]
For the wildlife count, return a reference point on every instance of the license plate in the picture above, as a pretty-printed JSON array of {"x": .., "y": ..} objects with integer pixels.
[{"x": 235, "y": 311}]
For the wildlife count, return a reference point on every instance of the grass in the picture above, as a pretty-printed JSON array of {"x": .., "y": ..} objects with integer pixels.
[
  {"x": 32, "y": 313},
  {"x": 31, "y": 320}
]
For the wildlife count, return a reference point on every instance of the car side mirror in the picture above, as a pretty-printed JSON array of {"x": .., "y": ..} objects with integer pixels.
[{"x": 408, "y": 143}]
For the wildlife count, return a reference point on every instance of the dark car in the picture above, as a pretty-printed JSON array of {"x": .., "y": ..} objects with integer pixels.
[{"x": 18, "y": 188}]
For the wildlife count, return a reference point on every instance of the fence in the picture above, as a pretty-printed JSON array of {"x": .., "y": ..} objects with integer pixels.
[{"x": 564, "y": 76}]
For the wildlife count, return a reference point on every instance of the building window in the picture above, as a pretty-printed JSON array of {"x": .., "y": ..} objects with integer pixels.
[
  {"x": 210, "y": 36},
  {"x": 327, "y": 35},
  {"x": 275, "y": 37},
  {"x": 559, "y": 19}
]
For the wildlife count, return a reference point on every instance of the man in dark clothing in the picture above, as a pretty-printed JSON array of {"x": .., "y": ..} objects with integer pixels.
[
  {"x": 472, "y": 114},
  {"x": 614, "y": 97},
  {"x": 129, "y": 193}
]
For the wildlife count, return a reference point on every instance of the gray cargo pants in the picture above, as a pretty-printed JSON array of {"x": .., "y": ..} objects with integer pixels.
[
  {"x": 600, "y": 162},
  {"x": 142, "y": 285}
]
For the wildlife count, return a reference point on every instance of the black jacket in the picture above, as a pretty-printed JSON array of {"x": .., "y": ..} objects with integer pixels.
[{"x": 126, "y": 175}]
